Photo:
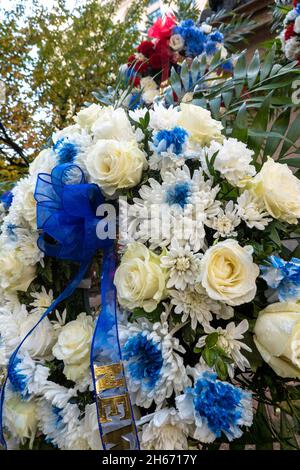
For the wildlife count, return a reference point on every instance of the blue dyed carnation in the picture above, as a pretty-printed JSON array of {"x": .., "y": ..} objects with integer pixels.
[
  {"x": 211, "y": 48},
  {"x": 173, "y": 140},
  {"x": 18, "y": 380},
  {"x": 135, "y": 101},
  {"x": 284, "y": 276},
  {"x": 194, "y": 37},
  {"x": 178, "y": 194},
  {"x": 227, "y": 66},
  {"x": 297, "y": 9},
  {"x": 6, "y": 199},
  {"x": 144, "y": 360},
  {"x": 216, "y": 36},
  {"x": 218, "y": 402},
  {"x": 65, "y": 150}
]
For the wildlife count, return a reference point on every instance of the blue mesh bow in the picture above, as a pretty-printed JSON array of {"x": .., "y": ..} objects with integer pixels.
[{"x": 66, "y": 216}]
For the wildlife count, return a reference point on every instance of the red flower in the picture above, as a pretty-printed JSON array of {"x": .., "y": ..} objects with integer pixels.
[
  {"x": 137, "y": 65},
  {"x": 135, "y": 80},
  {"x": 155, "y": 61},
  {"x": 162, "y": 29},
  {"x": 289, "y": 31},
  {"x": 146, "y": 48}
]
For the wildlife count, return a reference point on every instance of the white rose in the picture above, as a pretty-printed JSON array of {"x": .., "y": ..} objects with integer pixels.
[
  {"x": 115, "y": 165},
  {"x": 86, "y": 117},
  {"x": 176, "y": 42},
  {"x": 147, "y": 83},
  {"x": 113, "y": 124},
  {"x": 233, "y": 161},
  {"x": 228, "y": 273},
  {"x": 43, "y": 163},
  {"x": 14, "y": 274},
  {"x": 297, "y": 25},
  {"x": 73, "y": 346},
  {"x": 149, "y": 96},
  {"x": 139, "y": 279},
  {"x": 279, "y": 189},
  {"x": 21, "y": 417},
  {"x": 277, "y": 337},
  {"x": 206, "y": 28},
  {"x": 197, "y": 121},
  {"x": 41, "y": 340}
]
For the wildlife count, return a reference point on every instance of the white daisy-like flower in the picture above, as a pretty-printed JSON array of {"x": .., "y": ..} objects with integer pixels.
[
  {"x": 56, "y": 394},
  {"x": 225, "y": 222},
  {"x": 202, "y": 405},
  {"x": 252, "y": 211},
  {"x": 154, "y": 369},
  {"x": 177, "y": 208},
  {"x": 182, "y": 264},
  {"x": 163, "y": 118},
  {"x": 23, "y": 207},
  {"x": 27, "y": 376},
  {"x": 164, "y": 430},
  {"x": 28, "y": 249},
  {"x": 42, "y": 300},
  {"x": 195, "y": 304},
  {"x": 91, "y": 427},
  {"x": 229, "y": 339}
]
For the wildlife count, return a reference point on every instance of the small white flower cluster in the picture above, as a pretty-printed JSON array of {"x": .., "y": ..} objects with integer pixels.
[{"x": 290, "y": 35}]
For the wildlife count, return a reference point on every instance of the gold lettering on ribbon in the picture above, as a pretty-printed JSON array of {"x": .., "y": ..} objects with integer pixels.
[
  {"x": 117, "y": 438},
  {"x": 113, "y": 404},
  {"x": 107, "y": 377}
]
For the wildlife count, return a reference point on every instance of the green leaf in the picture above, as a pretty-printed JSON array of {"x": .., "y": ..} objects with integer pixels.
[
  {"x": 280, "y": 126},
  {"x": 295, "y": 162},
  {"x": 292, "y": 135},
  {"x": 211, "y": 340},
  {"x": 185, "y": 76},
  {"x": 260, "y": 124},
  {"x": 240, "y": 128},
  {"x": 221, "y": 368},
  {"x": 287, "y": 433},
  {"x": 210, "y": 356},
  {"x": 175, "y": 82},
  {"x": 268, "y": 63},
  {"x": 253, "y": 69}
]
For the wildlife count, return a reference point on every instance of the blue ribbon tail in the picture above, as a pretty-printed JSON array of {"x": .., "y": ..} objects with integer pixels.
[
  {"x": 65, "y": 294},
  {"x": 115, "y": 414}
]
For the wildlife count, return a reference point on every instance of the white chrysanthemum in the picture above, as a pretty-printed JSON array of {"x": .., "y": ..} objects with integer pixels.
[
  {"x": 56, "y": 394},
  {"x": 62, "y": 426},
  {"x": 182, "y": 264},
  {"x": 154, "y": 369},
  {"x": 162, "y": 118},
  {"x": 26, "y": 376},
  {"x": 164, "y": 431},
  {"x": 175, "y": 209},
  {"x": 252, "y": 211},
  {"x": 229, "y": 339},
  {"x": 20, "y": 417},
  {"x": 28, "y": 250},
  {"x": 137, "y": 114},
  {"x": 91, "y": 427},
  {"x": 195, "y": 304},
  {"x": 42, "y": 300},
  {"x": 166, "y": 161},
  {"x": 292, "y": 48},
  {"x": 233, "y": 161},
  {"x": 10, "y": 324},
  {"x": 225, "y": 222},
  {"x": 24, "y": 205}
]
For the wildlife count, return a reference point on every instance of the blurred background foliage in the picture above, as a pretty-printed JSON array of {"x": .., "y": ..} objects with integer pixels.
[{"x": 51, "y": 60}]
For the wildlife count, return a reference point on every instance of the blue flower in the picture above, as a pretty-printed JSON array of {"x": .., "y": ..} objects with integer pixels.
[
  {"x": 216, "y": 36},
  {"x": 144, "y": 358},
  {"x": 173, "y": 140},
  {"x": 135, "y": 101},
  {"x": 210, "y": 47},
  {"x": 297, "y": 9},
  {"x": 217, "y": 407},
  {"x": 6, "y": 199},
  {"x": 284, "y": 276},
  {"x": 218, "y": 402},
  {"x": 227, "y": 66},
  {"x": 18, "y": 379},
  {"x": 178, "y": 194},
  {"x": 65, "y": 150},
  {"x": 194, "y": 37}
]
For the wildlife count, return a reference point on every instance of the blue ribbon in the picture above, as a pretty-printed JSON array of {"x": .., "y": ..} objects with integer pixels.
[{"x": 66, "y": 216}]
